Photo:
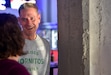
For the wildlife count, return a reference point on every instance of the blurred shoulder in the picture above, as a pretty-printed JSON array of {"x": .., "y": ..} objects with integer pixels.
[{"x": 43, "y": 39}]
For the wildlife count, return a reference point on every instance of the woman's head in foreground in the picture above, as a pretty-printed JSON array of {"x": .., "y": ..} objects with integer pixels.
[{"x": 11, "y": 38}]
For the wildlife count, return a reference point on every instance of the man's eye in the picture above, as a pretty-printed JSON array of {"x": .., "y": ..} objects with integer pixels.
[
  {"x": 23, "y": 19},
  {"x": 32, "y": 19}
]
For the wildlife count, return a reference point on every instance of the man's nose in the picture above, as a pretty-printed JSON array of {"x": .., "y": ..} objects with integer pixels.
[{"x": 29, "y": 22}]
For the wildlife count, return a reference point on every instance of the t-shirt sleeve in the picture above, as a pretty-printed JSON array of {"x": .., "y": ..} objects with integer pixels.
[{"x": 19, "y": 70}]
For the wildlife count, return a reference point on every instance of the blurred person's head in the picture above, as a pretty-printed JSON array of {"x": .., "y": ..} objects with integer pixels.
[
  {"x": 11, "y": 38},
  {"x": 29, "y": 19}
]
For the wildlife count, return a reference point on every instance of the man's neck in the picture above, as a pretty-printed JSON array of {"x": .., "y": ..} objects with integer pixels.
[{"x": 30, "y": 37}]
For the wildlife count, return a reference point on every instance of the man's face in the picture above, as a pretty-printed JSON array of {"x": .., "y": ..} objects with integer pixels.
[{"x": 29, "y": 19}]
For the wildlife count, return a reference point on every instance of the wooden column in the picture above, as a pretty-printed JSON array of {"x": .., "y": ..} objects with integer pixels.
[{"x": 70, "y": 31}]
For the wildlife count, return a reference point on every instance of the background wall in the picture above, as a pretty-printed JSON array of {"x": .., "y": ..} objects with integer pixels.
[{"x": 100, "y": 37}]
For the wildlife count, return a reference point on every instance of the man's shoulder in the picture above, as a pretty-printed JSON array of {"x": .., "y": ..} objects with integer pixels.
[{"x": 43, "y": 39}]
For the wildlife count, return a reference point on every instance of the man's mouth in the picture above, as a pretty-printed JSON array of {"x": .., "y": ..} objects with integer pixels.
[{"x": 30, "y": 28}]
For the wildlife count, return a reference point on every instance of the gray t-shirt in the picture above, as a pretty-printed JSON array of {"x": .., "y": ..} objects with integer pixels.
[{"x": 37, "y": 59}]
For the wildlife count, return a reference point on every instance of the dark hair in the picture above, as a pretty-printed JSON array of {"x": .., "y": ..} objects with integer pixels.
[
  {"x": 27, "y": 5},
  {"x": 11, "y": 38}
]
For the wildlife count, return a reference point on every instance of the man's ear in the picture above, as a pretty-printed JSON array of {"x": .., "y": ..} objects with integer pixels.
[
  {"x": 39, "y": 18},
  {"x": 18, "y": 19},
  {"x": 19, "y": 22}
]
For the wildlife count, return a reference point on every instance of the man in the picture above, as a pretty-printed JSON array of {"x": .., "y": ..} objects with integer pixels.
[{"x": 37, "y": 61}]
